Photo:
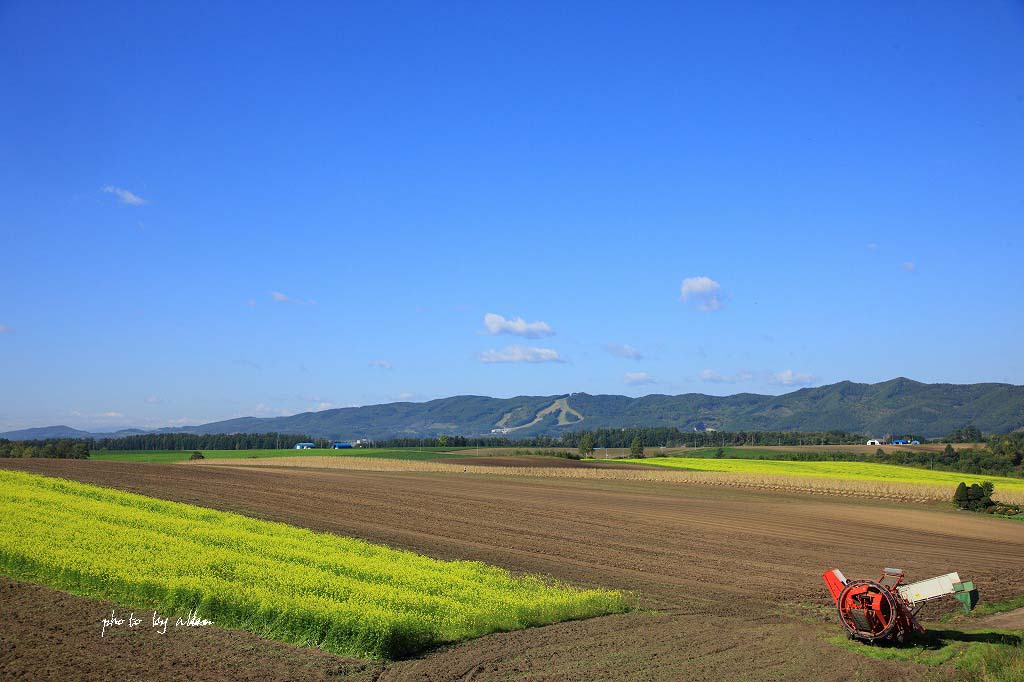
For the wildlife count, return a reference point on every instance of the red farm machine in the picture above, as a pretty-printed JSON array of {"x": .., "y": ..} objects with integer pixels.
[{"x": 885, "y": 610}]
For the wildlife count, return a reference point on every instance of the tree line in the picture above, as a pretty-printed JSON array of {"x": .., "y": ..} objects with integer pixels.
[
  {"x": 60, "y": 449},
  {"x": 967, "y": 434},
  {"x": 164, "y": 441},
  {"x": 655, "y": 436},
  {"x": 208, "y": 441}
]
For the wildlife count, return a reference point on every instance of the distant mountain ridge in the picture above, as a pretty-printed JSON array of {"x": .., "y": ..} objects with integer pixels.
[{"x": 897, "y": 406}]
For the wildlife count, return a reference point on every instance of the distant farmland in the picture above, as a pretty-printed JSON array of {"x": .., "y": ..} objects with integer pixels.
[
  {"x": 168, "y": 456},
  {"x": 1010, "y": 488},
  {"x": 889, "y": 482}
]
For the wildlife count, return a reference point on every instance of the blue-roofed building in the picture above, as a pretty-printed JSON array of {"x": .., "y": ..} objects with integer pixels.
[{"x": 340, "y": 445}]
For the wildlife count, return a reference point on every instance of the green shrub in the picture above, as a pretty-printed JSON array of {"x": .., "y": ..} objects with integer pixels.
[{"x": 960, "y": 496}]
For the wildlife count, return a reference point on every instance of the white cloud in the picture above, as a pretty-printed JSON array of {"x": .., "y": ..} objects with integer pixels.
[
  {"x": 790, "y": 378},
  {"x": 109, "y": 414},
  {"x": 909, "y": 267},
  {"x": 622, "y": 350},
  {"x": 124, "y": 195},
  {"x": 263, "y": 410},
  {"x": 740, "y": 377},
  {"x": 324, "y": 406},
  {"x": 517, "y": 353},
  {"x": 153, "y": 399},
  {"x": 4, "y": 329},
  {"x": 382, "y": 364},
  {"x": 872, "y": 247},
  {"x": 406, "y": 396},
  {"x": 284, "y": 298},
  {"x": 251, "y": 303},
  {"x": 703, "y": 292},
  {"x": 637, "y": 378},
  {"x": 497, "y": 324}
]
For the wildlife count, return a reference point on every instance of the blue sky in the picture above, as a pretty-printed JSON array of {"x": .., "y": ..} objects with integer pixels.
[{"x": 225, "y": 209}]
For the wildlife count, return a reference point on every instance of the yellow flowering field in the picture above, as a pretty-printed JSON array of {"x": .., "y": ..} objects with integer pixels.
[
  {"x": 281, "y": 582},
  {"x": 855, "y": 471}
]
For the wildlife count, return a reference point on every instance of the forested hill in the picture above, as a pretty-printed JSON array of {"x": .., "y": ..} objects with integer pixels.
[{"x": 897, "y": 406}]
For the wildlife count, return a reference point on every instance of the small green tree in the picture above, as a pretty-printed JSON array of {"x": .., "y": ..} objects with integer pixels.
[
  {"x": 587, "y": 445},
  {"x": 974, "y": 495},
  {"x": 637, "y": 447},
  {"x": 960, "y": 496},
  {"x": 442, "y": 441},
  {"x": 988, "y": 488}
]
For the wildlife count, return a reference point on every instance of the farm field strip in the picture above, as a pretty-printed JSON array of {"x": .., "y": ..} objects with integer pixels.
[
  {"x": 168, "y": 456},
  {"x": 824, "y": 483},
  {"x": 860, "y": 471},
  {"x": 344, "y": 595}
]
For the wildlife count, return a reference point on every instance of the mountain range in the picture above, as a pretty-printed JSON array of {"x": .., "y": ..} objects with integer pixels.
[{"x": 898, "y": 406}]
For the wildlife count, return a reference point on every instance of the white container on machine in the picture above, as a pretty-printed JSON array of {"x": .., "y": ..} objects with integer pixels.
[{"x": 932, "y": 588}]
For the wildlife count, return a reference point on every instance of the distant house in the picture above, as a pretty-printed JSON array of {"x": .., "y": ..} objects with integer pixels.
[
  {"x": 305, "y": 446},
  {"x": 901, "y": 441},
  {"x": 874, "y": 441},
  {"x": 341, "y": 445}
]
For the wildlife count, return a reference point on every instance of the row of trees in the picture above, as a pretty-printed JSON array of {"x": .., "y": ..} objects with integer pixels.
[
  {"x": 211, "y": 441},
  {"x": 61, "y": 449},
  {"x": 967, "y": 434},
  {"x": 673, "y": 437},
  {"x": 586, "y": 446},
  {"x": 649, "y": 436}
]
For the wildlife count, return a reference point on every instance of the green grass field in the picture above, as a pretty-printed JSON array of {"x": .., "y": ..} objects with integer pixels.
[
  {"x": 344, "y": 595},
  {"x": 860, "y": 471},
  {"x": 166, "y": 456},
  {"x": 740, "y": 452},
  {"x": 981, "y": 656}
]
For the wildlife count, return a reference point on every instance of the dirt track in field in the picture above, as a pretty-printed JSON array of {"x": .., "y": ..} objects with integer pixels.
[{"x": 720, "y": 573}]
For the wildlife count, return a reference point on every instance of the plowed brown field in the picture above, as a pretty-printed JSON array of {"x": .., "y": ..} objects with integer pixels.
[{"x": 719, "y": 572}]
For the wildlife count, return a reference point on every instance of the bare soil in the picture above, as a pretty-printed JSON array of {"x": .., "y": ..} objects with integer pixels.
[
  {"x": 533, "y": 461},
  {"x": 50, "y": 635},
  {"x": 720, "y": 574}
]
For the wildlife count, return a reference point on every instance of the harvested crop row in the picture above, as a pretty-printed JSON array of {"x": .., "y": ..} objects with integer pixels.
[
  {"x": 313, "y": 589},
  {"x": 820, "y": 485}
]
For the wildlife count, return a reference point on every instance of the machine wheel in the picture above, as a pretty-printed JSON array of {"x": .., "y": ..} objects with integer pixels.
[{"x": 868, "y": 611}]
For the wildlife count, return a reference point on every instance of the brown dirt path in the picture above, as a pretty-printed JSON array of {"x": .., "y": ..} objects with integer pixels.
[
  {"x": 1011, "y": 620},
  {"x": 722, "y": 567}
]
